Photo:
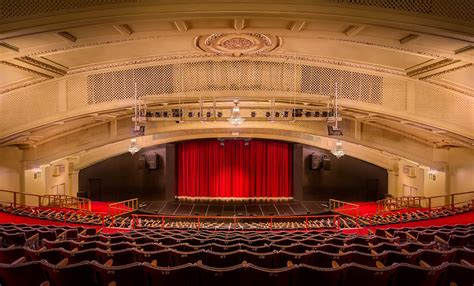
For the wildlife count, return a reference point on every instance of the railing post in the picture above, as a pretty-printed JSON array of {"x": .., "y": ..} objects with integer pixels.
[
  {"x": 162, "y": 222},
  {"x": 452, "y": 202},
  {"x": 271, "y": 223},
  {"x": 306, "y": 223},
  {"x": 14, "y": 200}
]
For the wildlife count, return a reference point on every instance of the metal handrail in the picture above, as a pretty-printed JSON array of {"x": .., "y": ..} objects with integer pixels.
[
  {"x": 65, "y": 201},
  {"x": 123, "y": 207},
  {"x": 340, "y": 207},
  {"x": 401, "y": 203}
]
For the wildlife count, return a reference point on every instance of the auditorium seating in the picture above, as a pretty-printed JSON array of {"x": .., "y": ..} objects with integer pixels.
[
  {"x": 83, "y": 256},
  {"x": 296, "y": 223}
]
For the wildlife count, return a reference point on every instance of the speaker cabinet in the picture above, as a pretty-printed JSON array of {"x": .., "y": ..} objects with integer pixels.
[
  {"x": 326, "y": 164},
  {"x": 315, "y": 162},
  {"x": 151, "y": 161}
]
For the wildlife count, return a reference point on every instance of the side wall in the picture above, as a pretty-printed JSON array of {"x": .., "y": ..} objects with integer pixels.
[
  {"x": 348, "y": 179},
  {"x": 125, "y": 177}
]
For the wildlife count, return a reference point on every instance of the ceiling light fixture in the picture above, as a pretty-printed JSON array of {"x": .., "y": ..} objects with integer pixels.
[
  {"x": 338, "y": 150},
  {"x": 235, "y": 118},
  {"x": 133, "y": 147}
]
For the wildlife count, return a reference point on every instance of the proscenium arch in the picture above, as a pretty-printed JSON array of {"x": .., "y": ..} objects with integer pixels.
[{"x": 93, "y": 156}]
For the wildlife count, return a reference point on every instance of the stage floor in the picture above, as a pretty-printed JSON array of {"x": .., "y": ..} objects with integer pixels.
[{"x": 176, "y": 208}]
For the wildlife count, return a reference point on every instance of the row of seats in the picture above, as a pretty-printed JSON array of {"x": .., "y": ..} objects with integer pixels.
[
  {"x": 274, "y": 259},
  {"x": 71, "y": 216},
  {"x": 94, "y": 273},
  {"x": 265, "y": 257},
  {"x": 401, "y": 216}
]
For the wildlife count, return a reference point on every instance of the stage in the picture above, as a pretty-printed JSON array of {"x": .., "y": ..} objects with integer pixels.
[{"x": 187, "y": 208}]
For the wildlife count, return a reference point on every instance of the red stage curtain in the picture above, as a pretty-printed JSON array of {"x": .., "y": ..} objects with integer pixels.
[{"x": 261, "y": 169}]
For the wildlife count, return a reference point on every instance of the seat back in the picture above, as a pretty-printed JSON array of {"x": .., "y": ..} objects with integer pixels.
[
  {"x": 28, "y": 273},
  {"x": 78, "y": 274}
]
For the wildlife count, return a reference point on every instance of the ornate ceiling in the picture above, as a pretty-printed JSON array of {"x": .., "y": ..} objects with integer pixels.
[{"x": 404, "y": 70}]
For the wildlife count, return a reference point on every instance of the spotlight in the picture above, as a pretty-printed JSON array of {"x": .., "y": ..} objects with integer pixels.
[
  {"x": 277, "y": 114},
  {"x": 176, "y": 112},
  {"x": 307, "y": 114},
  {"x": 219, "y": 114},
  {"x": 190, "y": 114},
  {"x": 208, "y": 114},
  {"x": 268, "y": 114},
  {"x": 149, "y": 114},
  {"x": 316, "y": 114},
  {"x": 325, "y": 114},
  {"x": 165, "y": 113},
  {"x": 285, "y": 113},
  {"x": 158, "y": 114},
  {"x": 253, "y": 114}
]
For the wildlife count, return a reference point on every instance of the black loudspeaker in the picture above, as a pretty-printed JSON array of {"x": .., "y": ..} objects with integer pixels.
[
  {"x": 315, "y": 162},
  {"x": 326, "y": 164},
  {"x": 151, "y": 161}
]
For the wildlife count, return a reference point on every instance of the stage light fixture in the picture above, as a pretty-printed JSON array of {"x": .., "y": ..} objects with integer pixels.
[
  {"x": 338, "y": 150},
  {"x": 307, "y": 114},
  {"x": 165, "y": 114},
  {"x": 235, "y": 118},
  {"x": 158, "y": 114},
  {"x": 316, "y": 114},
  {"x": 268, "y": 114},
  {"x": 277, "y": 114},
  {"x": 133, "y": 147},
  {"x": 285, "y": 113},
  {"x": 190, "y": 114},
  {"x": 219, "y": 114},
  {"x": 208, "y": 114},
  {"x": 253, "y": 114}
]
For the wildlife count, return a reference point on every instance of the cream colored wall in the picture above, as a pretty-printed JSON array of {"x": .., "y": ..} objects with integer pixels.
[
  {"x": 10, "y": 171},
  {"x": 34, "y": 185},
  {"x": 405, "y": 180},
  {"x": 461, "y": 173},
  {"x": 53, "y": 183}
]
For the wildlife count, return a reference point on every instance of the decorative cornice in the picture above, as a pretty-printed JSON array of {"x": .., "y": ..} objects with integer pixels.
[
  {"x": 433, "y": 66},
  {"x": 445, "y": 72},
  {"x": 35, "y": 62},
  {"x": 25, "y": 84},
  {"x": 209, "y": 56},
  {"x": 450, "y": 87},
  {"x": 26, "y": 69}
]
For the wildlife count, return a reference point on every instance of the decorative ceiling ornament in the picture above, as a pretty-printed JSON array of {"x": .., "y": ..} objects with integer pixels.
[{"x": 238, "y": 44}]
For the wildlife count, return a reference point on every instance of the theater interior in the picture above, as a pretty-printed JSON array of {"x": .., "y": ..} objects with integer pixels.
[{"x": 213, "y": 142}]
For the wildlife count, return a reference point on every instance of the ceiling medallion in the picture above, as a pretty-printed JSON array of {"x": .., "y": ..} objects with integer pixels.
[{"x": 238, "y": 44}]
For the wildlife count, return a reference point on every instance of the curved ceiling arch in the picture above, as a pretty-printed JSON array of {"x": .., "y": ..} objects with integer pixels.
[
  {"x": 93, "y": 156},
  {"x": 423, "y": 54}
]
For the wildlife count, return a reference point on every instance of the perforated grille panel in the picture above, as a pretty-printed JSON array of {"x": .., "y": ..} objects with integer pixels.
[
  {"x": 24, "y": 8},
  {"x": 28, "y": 105},
  {"x": 234, "y": 76},
  {"x": 443, "y": 106},
  {"x": 351, "y": 85},
  {"x": 76, "y": 93},
  {"x": 454, "y": 9}
]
